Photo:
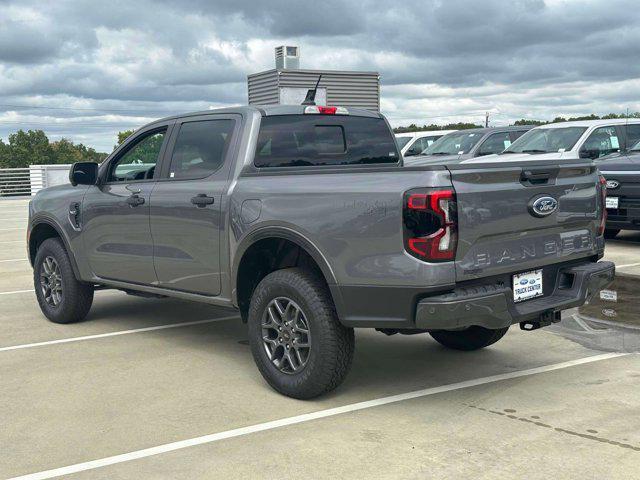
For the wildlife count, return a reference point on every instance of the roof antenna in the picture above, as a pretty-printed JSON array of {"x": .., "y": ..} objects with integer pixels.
[{"x": 310, "y": 99}]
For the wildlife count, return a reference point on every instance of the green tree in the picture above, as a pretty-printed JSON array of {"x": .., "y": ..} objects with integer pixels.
[
  {"x": 28, "y": 148},
  {"x": 64, "y": 151},
  {"x": 450, "y": 126},
  {"x": 526, "y": 121},
  {"x": 33, "y": 148},
  {"x": 122, "y": 136}
]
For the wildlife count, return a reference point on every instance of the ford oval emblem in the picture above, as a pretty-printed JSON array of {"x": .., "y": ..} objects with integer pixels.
[
  {"x": 612, "y": 184},
  {"x": 543, "y": 206}
]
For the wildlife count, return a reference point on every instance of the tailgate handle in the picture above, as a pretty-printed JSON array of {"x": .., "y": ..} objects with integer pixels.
[{"x": 536, "y": 177}]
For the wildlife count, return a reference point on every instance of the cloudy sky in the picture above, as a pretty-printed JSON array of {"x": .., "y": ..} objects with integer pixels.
[{"x": 85, "y": 69}]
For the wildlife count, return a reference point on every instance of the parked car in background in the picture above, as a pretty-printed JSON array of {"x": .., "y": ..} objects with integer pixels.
[
  {"x": 622, "y": 172},
  {"x": 581, "y": 139},
  {"x": 475, "y": 142},
  {"x": 414, "y": 143}
]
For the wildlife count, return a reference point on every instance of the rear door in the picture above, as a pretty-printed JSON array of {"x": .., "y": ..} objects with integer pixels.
[
  {"x": 186, "y": 205},
  {"x": 501, "y": 230}
]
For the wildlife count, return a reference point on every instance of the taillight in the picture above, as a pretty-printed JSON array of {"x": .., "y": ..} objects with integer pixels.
[
  {"x": 430, "y": 224},
  {"x": 603, "y": 205},
  {"x": 318, "y": 109}
]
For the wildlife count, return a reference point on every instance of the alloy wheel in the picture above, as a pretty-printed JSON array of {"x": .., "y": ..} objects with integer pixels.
[
  {"x": 285, "y": 335},
  {"x": 51, "y": 281}
]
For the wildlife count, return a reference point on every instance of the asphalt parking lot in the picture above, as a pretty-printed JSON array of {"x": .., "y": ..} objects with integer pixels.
[{"x": 150, "y": 389}]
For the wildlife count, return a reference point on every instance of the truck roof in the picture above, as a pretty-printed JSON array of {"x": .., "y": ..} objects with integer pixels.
[
  {"x": 591, "y": 123},
  {"x": 265, "y": 110},
  {"x": 425, "y": 133},
  {"x": 496, "y": 129}
]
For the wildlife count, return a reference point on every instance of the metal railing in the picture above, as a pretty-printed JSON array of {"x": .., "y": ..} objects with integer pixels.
[
  {"x": 18, "y": 181},
  {"x": 28, "y": 181}
]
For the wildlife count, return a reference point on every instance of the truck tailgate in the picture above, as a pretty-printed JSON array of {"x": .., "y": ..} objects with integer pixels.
[{"x": 499, "y": 229}]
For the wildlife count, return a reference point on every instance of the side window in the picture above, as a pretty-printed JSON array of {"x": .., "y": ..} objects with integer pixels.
[
  {"x": 200, "y": 148},
  {"x": 633, "y": 134},
  {"x": 420, "y": 145},
  {"x": 430, "y": 141},
  {"x": 416, "y": 148},
  {"x": 139, "y": 161},
  {"x": 514, "y": 135},
  {"x": 495, "y": 143},
  {"x": 601, "y": 142}
]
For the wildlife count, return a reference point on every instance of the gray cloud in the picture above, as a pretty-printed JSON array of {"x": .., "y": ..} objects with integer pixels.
[{"x": 439, "y": 60}]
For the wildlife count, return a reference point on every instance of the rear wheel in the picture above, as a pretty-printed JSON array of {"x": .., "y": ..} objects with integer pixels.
[
  {"x": 611, "y": 232},
  {"x": 297, "y": 342},
  {"x": 472, "y": 338},
  {"x": 62, "y": 298}
]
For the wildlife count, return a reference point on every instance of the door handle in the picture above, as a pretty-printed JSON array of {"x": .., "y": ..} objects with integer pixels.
[
  {"x": 202, "y": 200},
  {"x": 135, "y": 200},
  {"x": 540, "y": 176}
]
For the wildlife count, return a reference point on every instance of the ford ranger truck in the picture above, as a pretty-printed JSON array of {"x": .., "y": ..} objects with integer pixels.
[
  {"x": 305, "y": 220},
  {"x": 622, "y": 171}
]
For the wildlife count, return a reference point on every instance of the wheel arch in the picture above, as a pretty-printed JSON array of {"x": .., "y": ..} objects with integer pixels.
[
  {"x": 269, "y": 249},
  {"x": 43, "y": 229}
]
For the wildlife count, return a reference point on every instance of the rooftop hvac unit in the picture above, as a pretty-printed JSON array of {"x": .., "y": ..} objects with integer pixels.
[{"x": 287, "y": 58}]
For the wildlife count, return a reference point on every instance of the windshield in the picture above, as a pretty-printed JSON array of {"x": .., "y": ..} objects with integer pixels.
[
  {"x": 454, "y": 144},
  {"x": 546, "y": 140},
  {"x": 636, "y": 147},
  {"x": 402, "y": 141}
]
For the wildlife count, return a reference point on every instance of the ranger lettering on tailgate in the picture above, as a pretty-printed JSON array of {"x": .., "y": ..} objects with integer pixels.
[{"x": 565, "y": 244}]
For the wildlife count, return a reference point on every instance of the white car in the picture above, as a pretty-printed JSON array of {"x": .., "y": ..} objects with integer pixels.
[
  {"x": 579, "y": 139},
  {"x": 414, "y": 143}
]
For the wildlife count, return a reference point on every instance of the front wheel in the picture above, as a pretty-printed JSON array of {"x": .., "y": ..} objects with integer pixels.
[
  {"x": 472, "y": 338},
  {"x": 297, "y": 342},
  {"x": 62, "y": 298}
]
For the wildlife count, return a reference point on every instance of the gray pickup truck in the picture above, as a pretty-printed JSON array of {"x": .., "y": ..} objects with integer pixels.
[{"x": 307, "y": 222}]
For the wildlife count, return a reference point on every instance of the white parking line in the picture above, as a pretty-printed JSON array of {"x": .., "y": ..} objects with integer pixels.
[
  {"x": 9, "y": 229},
  {"x": 628, "y": 265},
  {"x": 330, "y": 412},
  {"x": 14, "y": 260},
  {"x": 17, "y": 291},
  {"x": 114, "y": 334},
  {"x": 12, "y": 241}
]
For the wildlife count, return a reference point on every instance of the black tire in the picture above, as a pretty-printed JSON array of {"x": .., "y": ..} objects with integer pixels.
[
  {"x": 75, "y": 299},
  {"x": 331, "y": 345},
  {"x": 611, "y": 232},
  {"x": 472, "y": 338}
]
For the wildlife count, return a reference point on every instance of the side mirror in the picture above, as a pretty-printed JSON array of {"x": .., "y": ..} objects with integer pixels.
[
  {"x": 589, "y": 153},
  {"x": 83, "y": 173}
]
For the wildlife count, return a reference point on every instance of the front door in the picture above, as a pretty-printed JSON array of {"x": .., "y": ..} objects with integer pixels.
[
  {"x": 186, "y": 204},
  {"x": 115, "y": 214}
]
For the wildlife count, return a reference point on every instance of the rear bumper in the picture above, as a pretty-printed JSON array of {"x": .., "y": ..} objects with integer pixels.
[
  {"x": 492, "y": 306},
  {"x": 627, "y": 224}
]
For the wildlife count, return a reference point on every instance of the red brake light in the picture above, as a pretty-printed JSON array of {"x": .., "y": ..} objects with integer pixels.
[
  {"x": 319, "y": 109},
  {"x": 430, "y": 225},
  {"x": 328, "y": 110},
  {"x": 603, "y": 205}
]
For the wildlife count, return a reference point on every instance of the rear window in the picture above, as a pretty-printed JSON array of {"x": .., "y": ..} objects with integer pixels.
[{"x": 314, "y": 140}]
